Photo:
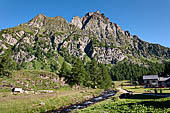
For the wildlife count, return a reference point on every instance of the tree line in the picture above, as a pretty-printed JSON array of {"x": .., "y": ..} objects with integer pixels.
[
  {"x": 91, "y": 73},
  {"x": 6, "y": 64},
  {"x": 135, "y": 72}
]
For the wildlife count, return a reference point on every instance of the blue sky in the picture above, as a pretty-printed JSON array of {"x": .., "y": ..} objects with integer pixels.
[{"x": 149, "y": 19}]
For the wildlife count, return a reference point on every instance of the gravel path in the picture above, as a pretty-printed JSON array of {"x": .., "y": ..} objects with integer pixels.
[{"x": 122, "y": 90}]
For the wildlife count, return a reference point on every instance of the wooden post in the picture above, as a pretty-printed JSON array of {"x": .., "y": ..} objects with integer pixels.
[
  {"x": 156, "y": 91},
  {"x": 160, "y": 91}
]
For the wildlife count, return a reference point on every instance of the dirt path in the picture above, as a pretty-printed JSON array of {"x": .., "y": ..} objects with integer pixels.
[
  {"x": 10, "y": 96},
  {"x": 122, "y": 90}
]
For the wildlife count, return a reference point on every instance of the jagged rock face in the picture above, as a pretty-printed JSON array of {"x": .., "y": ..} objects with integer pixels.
[
  {"x": 105, "y": 31},
  {"x": 9, "y": 39},
  {"x": 77, "y": 22},
  {"x": 38, "y": 21},
  {"x": 101, "y": 26},
  {"x": 92, "y": 35},
  {"x": 108, "y": 55}
]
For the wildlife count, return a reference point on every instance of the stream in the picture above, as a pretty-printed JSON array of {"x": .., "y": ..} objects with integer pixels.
[{"x": 103, "y": 96}]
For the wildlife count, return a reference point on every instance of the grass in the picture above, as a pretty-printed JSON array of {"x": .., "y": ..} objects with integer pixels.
[
  {"x": 38, "y": 100},
  {"x": 125, "y": 84},
  {"x": 119, "y": 83},
  {"x": 43, "y": 102},
  {"x": 61, "y": 60},
  {"x": 19, "y": 28},
  {"x": 30, "y": 80},
  {"x": 59, "y": 33},
  {"x": 135, "y": 105},
  {"x": 136, "y": 89},
  {"x": 141, "y": 89}
]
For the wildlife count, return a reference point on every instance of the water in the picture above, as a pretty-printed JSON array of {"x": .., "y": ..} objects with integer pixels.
[{"x": 105, "y": 95}]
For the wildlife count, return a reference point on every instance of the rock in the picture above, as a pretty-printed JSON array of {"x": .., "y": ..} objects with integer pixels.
[
  {"x": 37, "y": 21},
  {"x": 29, "y": 92},
  {"x": 77, "y": 22},
  {"x": 127, "y": 33},
  {"x": 98, "y": 12},
  {"x": 46, "y": 91},
  {"x": 87, "y": 97},
  {"x": 9, "y": 39},
  {"x": 7, "y": 85},
  {"x": 56, "y": 87},
  {"x": 42, "y": 103}
]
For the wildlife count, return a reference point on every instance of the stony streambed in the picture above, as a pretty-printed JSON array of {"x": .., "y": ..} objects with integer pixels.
[{"x": 103, "y": 96}]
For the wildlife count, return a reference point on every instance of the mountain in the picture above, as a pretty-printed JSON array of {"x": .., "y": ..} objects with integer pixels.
[{"x": 44, "y": 40}]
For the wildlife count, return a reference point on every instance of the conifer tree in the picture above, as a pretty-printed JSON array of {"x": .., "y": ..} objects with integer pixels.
[
  {"x": 54, "y": 66},
  {"x": 94, "y": 72},
  {"x": 78, "y": 73},
  {"x": 64, "y": 71},
  {"x": 105, "y": 79},
  {"x": 167, "y": 68},
  {"x": 6, "y": 64}
]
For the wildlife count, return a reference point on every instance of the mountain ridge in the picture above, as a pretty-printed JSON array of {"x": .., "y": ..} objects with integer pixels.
[{"x": 92, "y": 35}]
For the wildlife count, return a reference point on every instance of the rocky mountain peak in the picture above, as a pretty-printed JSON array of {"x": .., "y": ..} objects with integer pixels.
[
  {"x": 77, "y": 21},
  {"x": 48, "y": 23},
  {"x": 41, "y": 16},
  {"x": 98, "y": 12},
  {"x": 38, "y": 17},
  {"x": 91, "y": 18},
  {"x": 37, "y": 21},
  {"x": 96, "y": 16},
  {"x": 96, "y": 37}
]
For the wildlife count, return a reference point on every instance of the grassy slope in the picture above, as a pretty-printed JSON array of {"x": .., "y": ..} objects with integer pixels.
[
  {"x": 38, "y": 102},
  {"x": 43, "y": 102},
  {"x": 30, "y": 80}
]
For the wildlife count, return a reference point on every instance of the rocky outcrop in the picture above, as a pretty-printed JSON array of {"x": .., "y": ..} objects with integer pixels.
[
  {"x": 38, "y": 21},
  {"x": 77, "y": 22},
  {"x": 108, "y": 55},
  {"x": 9, "y": 39}
]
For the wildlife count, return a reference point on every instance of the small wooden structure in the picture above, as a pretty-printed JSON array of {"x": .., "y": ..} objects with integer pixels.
[
  {"x": 164, "y": 82},
  {"x": 154, "y": 81},
  {"x": 17, "y": 90},
  {"x": 150, "y": 81}
]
